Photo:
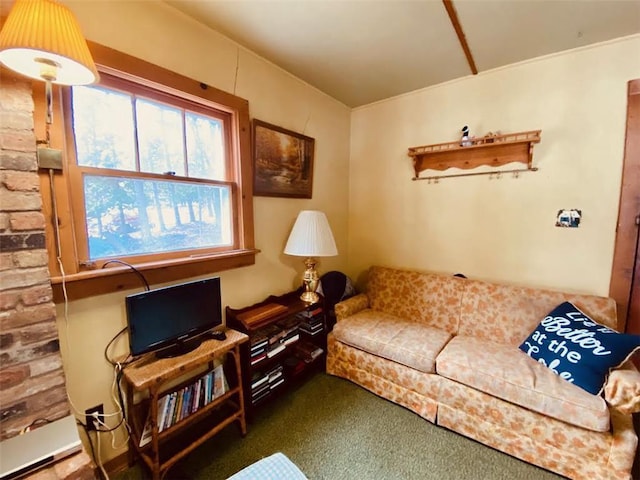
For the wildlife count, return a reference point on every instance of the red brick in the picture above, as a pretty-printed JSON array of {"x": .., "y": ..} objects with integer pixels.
[
  {"x": 37, "y": 333},
  {"x": 31, "y": 386},
  {"x": 36, "y": 295},
  {"x": 16, "y": 94},
  {"x": 22, "y": 221},
  {"x": 12, "y": 376},
  {"x": 7, "y": 340},
  {"x": 24, "y": 278},
  {"x": 4, "y": 221},
  {"x": 6, "y": 261},
  {"x": 44, "y": 365},
  {"x": 18, "y": 140},
  {"x": 20, "y": 201},
  {"x": 9, "y": 300},
  {"x": 17, "y": 120},
  {"x": 21, "y": 181},
  {"x": 24, "y": 162},
  {"x": 30, "y": 258},
  {"x": 16, "y": 319},
  {"x": 45, "y": 399}
]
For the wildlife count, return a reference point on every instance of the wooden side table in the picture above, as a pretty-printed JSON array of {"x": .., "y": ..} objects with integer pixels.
[{"x": 150, "y": 380}]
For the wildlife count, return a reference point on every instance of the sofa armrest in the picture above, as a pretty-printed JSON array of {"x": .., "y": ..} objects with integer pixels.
[
  {"x": 351, "y": 306},
  {"x": 622, "y": 390}
]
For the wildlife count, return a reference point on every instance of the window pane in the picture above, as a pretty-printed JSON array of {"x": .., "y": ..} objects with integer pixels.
[
  {"x": 205, "y": 148},
  {"x": 103, "y": 127},
  {"x": 160, "y": 136},
  {"x": 136, "y": 216}
]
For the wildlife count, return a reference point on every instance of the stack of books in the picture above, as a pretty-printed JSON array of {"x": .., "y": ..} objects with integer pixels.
[
  {"x": 259, "y": 387},
  {"x": 276, "y": 377},
  {"x": 269, "y": 341},
  {"x": 179, "y": 404},
  {"x": 311, "y": 321},
  {"x": 258, "y": 349},
  {"x": 290, "y": 333},
  {"x": 308, "y": 351}
]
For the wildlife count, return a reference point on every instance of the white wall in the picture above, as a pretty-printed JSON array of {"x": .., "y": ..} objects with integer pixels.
[
  {"x": 155, "y": 32},
  {"x": 499, "y": 229}
]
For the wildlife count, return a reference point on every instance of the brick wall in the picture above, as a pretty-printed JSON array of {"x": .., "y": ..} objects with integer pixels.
[{"x": 32, "y": 382}]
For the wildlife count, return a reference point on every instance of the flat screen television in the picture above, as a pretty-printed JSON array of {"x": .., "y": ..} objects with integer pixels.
[{"x": 171, "y": 321}]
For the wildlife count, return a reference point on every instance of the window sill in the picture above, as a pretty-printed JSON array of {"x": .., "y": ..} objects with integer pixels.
[{"x": 119, "y": 278}]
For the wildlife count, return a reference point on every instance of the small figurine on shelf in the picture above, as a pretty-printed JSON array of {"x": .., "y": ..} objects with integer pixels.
[{"x": 465, "y": 141}]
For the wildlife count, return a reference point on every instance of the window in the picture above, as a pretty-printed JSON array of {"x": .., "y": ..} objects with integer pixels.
[
  {"x": 155, "y": 175},
  {"x": 152, "y": 170}
]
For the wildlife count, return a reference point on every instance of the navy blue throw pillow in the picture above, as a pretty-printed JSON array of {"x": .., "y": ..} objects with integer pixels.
[{"x": 577, "y": 348}]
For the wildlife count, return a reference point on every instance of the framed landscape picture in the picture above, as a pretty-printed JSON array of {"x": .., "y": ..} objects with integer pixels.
[{"x": 282, "y": 162}]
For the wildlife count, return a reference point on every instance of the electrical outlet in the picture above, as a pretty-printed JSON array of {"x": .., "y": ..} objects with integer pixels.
[{"x": 89, "y": 412}]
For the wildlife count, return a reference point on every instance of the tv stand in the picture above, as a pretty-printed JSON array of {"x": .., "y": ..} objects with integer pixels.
[{"x": 150, "y": 382}]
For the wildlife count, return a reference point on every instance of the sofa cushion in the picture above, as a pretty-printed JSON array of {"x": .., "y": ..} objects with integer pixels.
[
  {"x": 385, "y": 335},
  {"x": 507, "y": 313},
  {"x": 427, "y": 298},
  {"x": 577, "y": 348},
  {"x": 507, "y": 373}
]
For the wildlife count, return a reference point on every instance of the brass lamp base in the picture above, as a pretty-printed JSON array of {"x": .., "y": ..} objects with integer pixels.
[{"x": 310, "y": 282}]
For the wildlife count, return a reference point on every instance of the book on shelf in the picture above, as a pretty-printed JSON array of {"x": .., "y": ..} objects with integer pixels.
[
  {"x": 162, "y": 410},
  {"x": 259, "y": 380},
  {"x": 291, "y": 339},
  {"x": 146, "y": 433},
  {"x": 307, "y": 351},
  {"x": 311, "y": 312},
  {"x": 259, "y": 345},
  {"x": 220, "y": 385},
  {"x": 289, "y": 325},
  {"x": 261, "y": 396},
  {"x": 273, "y": 332},
  {"x": 274, "y": 385},
  {"x": 275, "y": 373},
  {"x": 312, "y": 332},
  {"x": 312, "y": 325},
  {"x": 258, "y": 351},
  {"x": 171, "y": 406},
  {"x": 258, "y": 358},
  {"x": 255, "y": 393},
  {"x": 275, "y": 349}
]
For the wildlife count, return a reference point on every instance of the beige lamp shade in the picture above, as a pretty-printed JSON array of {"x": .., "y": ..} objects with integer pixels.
[
  {"x": 311, "y": 236},
  {"x": 42, "y": 39}
]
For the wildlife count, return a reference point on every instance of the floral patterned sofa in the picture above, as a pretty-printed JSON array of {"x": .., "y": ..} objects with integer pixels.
[{"x": 447, "y": 349}]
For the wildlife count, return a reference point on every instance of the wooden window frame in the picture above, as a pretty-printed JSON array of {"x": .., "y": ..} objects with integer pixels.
[{"x": 69, "y": 278}]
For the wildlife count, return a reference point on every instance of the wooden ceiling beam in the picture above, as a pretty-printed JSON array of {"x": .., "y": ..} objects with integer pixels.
[{"x": 453, "y": 16}]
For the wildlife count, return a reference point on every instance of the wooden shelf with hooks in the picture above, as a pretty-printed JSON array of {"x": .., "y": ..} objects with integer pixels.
[{"x": 491, "y": 150}]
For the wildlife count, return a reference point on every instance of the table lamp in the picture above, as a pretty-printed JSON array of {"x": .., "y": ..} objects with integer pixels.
[{"x": 311, "y": 237}]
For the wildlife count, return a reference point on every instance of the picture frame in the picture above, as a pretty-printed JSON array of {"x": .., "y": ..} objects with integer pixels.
[{"x": 282, "y": 162}]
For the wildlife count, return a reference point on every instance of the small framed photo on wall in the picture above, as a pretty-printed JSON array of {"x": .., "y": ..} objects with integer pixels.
[{"x": 282, "y": 162}]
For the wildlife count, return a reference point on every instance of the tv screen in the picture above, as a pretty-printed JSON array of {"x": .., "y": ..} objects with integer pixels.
[{"x": 168, "y": 320}]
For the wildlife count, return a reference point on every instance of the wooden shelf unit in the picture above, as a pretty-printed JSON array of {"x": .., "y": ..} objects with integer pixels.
[
  {"x": 493, "y": 151},
  {"x": 252, "y": 320},
  {"x": 150, "y": 378}
]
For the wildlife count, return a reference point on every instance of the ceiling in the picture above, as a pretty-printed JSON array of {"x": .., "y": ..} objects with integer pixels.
[{"x": 362, "y": 51}]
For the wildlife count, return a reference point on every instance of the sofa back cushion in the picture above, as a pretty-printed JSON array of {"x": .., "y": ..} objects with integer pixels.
[
  {"x": 427, "y": 298},
  {"x": 508, "y": 313}
]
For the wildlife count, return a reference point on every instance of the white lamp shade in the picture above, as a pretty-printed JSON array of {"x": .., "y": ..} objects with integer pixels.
[
  {"x": 311, "y": 236},
  {"x": 42, "y": 39}
]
